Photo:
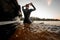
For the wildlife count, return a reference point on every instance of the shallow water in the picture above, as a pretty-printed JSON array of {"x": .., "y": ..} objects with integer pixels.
[
  {"x": 45, "y": 31},
  {"x": 51, "y": 26},
  {"x": 57, "y": 23},
  {"x": 49, "y": 22}
]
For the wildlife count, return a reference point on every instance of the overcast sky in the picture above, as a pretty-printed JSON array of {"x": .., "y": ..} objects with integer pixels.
[{"x": 44, "y": 8}]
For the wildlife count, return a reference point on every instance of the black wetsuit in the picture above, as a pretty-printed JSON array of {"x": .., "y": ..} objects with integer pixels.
[{"x": 27, "y": 13}]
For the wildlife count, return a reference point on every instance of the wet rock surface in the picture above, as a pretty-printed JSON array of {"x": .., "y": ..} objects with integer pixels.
[{"x": 37, "y": 32}]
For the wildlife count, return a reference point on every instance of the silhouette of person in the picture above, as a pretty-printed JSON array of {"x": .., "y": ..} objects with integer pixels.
[
  {"x": 27, "y": 13},
  {"x": 9, "y": 9}
]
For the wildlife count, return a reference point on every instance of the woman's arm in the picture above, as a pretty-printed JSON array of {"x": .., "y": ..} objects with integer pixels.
[{"x": 33, "y": 7}]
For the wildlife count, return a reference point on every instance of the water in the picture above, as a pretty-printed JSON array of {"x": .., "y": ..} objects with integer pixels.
[
  {"x": 49, "y": 22},
  {"x": 57, "y": 23},
  {"x": 51, "y": 26}
]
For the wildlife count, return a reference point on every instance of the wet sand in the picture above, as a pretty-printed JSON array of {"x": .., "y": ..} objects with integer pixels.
[{"x": 28, "y": 34}]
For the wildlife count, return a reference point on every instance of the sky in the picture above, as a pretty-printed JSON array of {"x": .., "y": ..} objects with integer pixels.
[{"x": 44, "y": 8}]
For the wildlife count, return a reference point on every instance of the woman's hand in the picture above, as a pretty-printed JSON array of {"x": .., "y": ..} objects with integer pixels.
[{"x": 30, "y": 3}]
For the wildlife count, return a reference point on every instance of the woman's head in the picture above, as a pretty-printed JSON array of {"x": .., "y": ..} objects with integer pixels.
[{"x": 27, "y": 6}]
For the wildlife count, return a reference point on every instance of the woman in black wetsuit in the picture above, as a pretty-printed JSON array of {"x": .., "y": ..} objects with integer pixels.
[{"x": 27, "y": 13}]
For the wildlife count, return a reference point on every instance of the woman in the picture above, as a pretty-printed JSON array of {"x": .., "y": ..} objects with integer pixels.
[{"x": 27, "y": 13}]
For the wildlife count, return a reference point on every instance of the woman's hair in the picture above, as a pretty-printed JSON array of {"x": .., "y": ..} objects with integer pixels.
[{"x": 27, "y": 5}]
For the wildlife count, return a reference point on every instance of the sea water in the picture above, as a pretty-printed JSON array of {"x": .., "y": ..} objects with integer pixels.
[{"x": 49, "y": 22}]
